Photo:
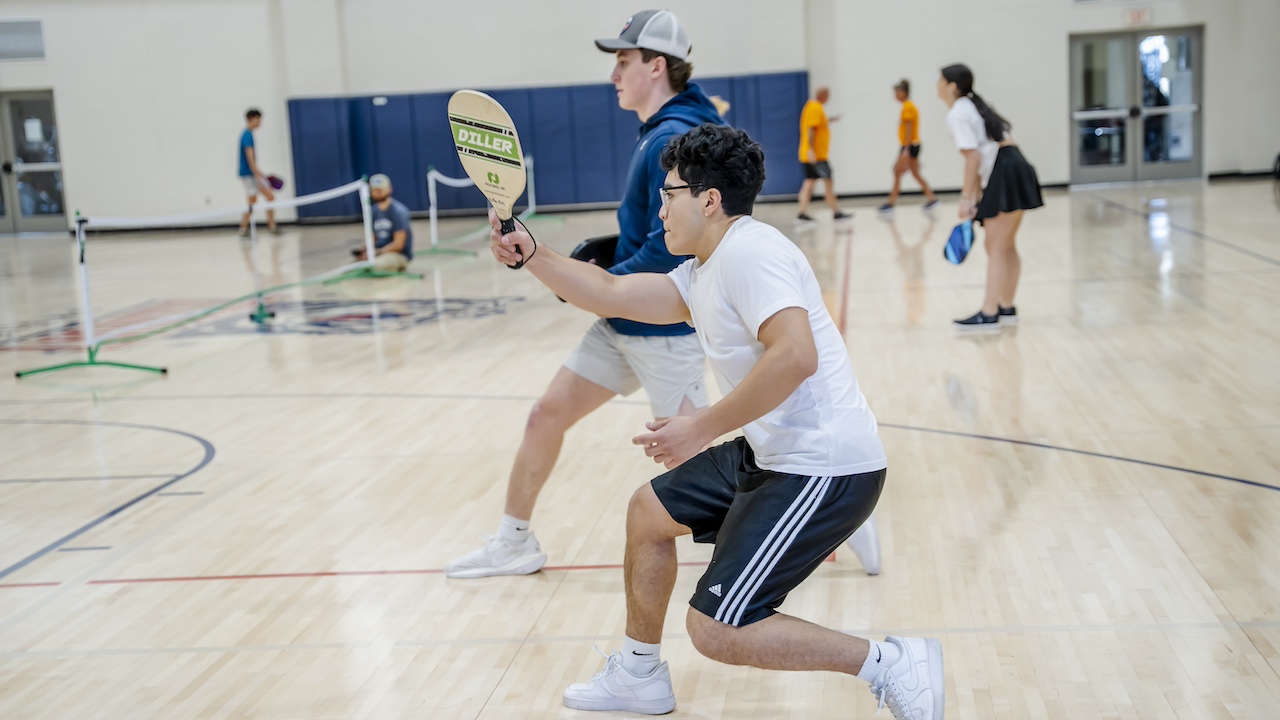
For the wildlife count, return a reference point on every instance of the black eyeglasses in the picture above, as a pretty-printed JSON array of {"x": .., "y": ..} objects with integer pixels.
[{"x": 665, "y": 191}]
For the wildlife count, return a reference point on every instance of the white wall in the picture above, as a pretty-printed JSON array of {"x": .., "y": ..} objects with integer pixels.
[
  {"x": 150, "y": 94},
  {"x": 1019, "y": 52}
]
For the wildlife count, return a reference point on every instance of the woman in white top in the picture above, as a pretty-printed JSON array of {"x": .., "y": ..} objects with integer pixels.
[{"x": 999, "y": 184}]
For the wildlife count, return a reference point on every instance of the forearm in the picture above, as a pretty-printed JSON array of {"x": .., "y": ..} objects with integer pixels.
[
  {"x": 774, "y": 378},
  {"x": 582, "y": 285},
  {"x": 972, "y": 188}
]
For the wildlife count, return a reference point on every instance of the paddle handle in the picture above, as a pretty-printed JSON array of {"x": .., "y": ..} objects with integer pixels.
[{"x": 508, "y": 227}]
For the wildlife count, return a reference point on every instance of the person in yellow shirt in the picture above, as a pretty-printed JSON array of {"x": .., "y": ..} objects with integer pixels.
[
  {"x": 908, "y": 151},
  {"x": 815, "y": 139}
]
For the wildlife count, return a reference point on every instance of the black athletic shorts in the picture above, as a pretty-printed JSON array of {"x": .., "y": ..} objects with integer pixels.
[
  {"x": 771, "y": 530},
  {"x": 913, "y": 150},
  {"x": 817, "y": 170}
]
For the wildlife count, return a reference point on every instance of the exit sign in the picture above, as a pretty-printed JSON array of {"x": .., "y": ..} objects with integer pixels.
[{"x": 1135, "y": 17}]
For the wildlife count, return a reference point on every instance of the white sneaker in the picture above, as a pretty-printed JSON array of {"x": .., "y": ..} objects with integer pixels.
[
  {"x": 613, "y": 688},
  {"x": 499, "y": 557},
  {"x": 865, "y": 543},
  {"x": 913, "y": 688}
]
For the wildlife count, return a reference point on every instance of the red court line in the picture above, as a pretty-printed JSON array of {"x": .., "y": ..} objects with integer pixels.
[
  {"x": 28, "y": 585},
  {"x": 330, "y": 573},
  {"x": 844, "y": 288}
]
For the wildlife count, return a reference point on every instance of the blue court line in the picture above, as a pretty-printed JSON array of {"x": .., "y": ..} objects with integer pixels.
[
  {"x": 87, "y": 478},
  {"x": 1192, "y": 232},
  {"x": 81, "y": 549},
  {"x": 209, "y": 452},
  {"x": 1089, "y": 453}
]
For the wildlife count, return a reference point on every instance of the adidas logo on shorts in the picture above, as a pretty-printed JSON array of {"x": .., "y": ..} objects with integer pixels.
[{"x": 715, "y": 590}]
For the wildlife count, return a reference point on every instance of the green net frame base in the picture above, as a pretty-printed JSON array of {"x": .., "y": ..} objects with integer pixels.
[
  {"x": 367, "y": 273},
  {"x": 93, "y": 361}
]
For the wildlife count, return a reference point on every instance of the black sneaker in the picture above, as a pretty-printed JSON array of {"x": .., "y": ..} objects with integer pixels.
[
  {"x": 841, "y": 215},
  {"x": 1008, "y": 315},
  {"x": 803, "y": 218},
  {"x": 979, "y": 321}
]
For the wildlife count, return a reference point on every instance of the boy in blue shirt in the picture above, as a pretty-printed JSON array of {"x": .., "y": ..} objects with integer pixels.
[{"x": 251, "y": 176}]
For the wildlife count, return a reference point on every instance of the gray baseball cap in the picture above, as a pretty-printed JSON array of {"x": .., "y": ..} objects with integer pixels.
[
  {"x": 380, "y": 181},
  {"x": 657, "y": 30}
]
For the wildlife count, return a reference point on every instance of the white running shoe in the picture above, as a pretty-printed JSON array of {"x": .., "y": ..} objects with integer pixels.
[
  {"x": 613, "y": 688},
  {"x": 499, "y": 557},
  {"x": 913, "y": 688},
  {"x": 865, "y": 543}
]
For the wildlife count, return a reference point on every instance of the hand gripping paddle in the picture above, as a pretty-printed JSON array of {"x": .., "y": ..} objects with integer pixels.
[{"x": 489, "y": 149}]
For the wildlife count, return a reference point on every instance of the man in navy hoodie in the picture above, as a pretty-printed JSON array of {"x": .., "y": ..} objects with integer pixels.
[{"x": 616, "y": 357}]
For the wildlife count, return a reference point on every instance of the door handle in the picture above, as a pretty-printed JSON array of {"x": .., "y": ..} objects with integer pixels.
[
  {"x": 1135, "y": 112},
  {"x": 7, "y": 167}
]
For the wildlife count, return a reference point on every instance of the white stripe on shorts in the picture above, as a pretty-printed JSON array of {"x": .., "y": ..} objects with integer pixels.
[{"x": 779, "y": 538}]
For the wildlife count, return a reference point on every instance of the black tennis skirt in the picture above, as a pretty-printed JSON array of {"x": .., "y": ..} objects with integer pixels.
[{"x": 1013, "y": 185}]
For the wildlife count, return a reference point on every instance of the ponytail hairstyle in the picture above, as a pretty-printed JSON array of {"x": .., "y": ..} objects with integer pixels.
[{"x": 962, "y": 76}]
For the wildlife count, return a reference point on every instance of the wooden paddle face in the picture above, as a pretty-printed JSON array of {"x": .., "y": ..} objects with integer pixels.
[{"x": 489, "y": 148}]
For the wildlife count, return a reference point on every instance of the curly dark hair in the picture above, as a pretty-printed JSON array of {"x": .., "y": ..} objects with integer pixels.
[{"x": 720, "y": 157}]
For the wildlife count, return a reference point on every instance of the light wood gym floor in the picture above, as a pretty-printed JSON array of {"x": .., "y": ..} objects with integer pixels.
[{"x": 1085, "y": 509}]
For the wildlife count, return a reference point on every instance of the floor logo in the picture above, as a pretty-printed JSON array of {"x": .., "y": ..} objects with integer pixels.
[{"x": 351, "y": 317}]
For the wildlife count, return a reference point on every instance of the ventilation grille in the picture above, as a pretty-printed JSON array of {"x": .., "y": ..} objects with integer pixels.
[{"x": 21, "y": 40}]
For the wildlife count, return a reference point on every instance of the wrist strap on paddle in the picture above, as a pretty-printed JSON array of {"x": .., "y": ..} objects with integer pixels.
[{"x": 508, "y": 227}]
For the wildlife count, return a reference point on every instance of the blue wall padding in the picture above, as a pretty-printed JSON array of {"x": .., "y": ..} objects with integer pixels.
[
  {"x": 580, "y": 139},
  {"x": 322, "y": 158}
]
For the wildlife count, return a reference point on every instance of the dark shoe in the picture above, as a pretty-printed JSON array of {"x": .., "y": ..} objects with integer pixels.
[
  {"x": 1008, "y": 315},
  {"x": 979, "y": 321},
  {"x": 885, "y": 208},
  {"x": 803, "y": 218},
  {"x": 840, "y": 215},
  {"x": 931, "y": 205}
]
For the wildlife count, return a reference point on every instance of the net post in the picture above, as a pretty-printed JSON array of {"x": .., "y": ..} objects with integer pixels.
[
  {"x": 431, "y": 207},
  {"x": 533, "y": 197},
  {"x": 366, "y": 211},
  {"x": 259, "y": 314},
  {"x": 86, "y": 305}
]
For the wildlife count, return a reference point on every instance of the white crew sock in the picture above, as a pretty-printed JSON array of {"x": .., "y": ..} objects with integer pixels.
[
  {"x": 880, "y": 656},
  {"x": 640, "y": 659},
  {"x": 513, "y": 530}
]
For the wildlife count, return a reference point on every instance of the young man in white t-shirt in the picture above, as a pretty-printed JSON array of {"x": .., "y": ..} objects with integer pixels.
[{"x": 776, "y": 502}]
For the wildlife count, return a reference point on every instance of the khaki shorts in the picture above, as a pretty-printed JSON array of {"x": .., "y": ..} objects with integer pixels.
[
  {"x": 390, "y": 262},
  {"x": 251, "y": 185},
  {"x": 669, "y": 368}
]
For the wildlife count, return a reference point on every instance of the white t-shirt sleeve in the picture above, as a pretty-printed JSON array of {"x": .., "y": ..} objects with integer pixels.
[
  {"x": 963, "y": 129},
  {"x": 759, "y": 282},
  {"x": 682, "y": 276}
]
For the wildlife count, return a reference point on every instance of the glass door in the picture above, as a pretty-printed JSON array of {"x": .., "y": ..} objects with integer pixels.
[
  {"x": 1102, "y": 94},
  {"x": 1135, "y": 100},
  {"x": 31, "y": 198}
]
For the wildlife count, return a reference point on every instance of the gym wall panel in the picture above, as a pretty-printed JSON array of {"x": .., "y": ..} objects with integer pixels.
[
  {"x": 581, "y": 141},
  {"x": 388, "y": 147},
  {"x": 552, "y": 145},
  {"x": 595, "y": 171},
  {"x": 320, "y": 131}
]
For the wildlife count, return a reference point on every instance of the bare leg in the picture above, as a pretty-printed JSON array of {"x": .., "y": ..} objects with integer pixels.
[
  {"x": 831, "y": 194},
  {"x": 780, "y": 642},
  {"x": 244, "y": 219},
  {"x": 1003, "y": 264},
  {"x": 899, "y": 167},
  {"x": 897, "y": 186},
  {"x": 914, "y": 166},
  {"x": 568, "y": 399},
  {"x": 650, "y": 565},
  {"x": 271, "y": 214},
  {"x": 806, "y": 194}
]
